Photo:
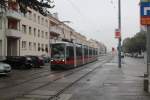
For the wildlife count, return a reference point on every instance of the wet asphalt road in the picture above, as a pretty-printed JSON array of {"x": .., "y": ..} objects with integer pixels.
[
  {"x": 111, "y": 83},
  {"x": 26, "y": 83},
  {"x": 100, "y": 80}
]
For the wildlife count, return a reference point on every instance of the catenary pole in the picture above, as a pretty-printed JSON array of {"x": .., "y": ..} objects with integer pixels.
[{"x": 119, "y": 39}]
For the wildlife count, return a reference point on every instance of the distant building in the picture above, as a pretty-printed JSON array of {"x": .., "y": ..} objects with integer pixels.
[{"x": 100, "y": 46}]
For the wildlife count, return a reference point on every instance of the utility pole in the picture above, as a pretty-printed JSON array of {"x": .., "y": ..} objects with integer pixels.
[
  {"x": 147, "y": 75},
  {"x": 145, "y": 20},
  {"x": 119, "y": 39},
  {"x": 148, "y": 50}
]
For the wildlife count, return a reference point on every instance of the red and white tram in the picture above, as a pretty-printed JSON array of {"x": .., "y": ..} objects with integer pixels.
[{"x": 69, "y": 55}]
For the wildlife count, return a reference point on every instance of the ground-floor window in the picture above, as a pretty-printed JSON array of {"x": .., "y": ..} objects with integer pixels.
[
  {"x": 24, "y": 45},
  {"x": 34, "y": 45},
  {"x": 0, "y": 22},
  {"x": 0, "y": 47},
  {"x": 30, "y": 45}
]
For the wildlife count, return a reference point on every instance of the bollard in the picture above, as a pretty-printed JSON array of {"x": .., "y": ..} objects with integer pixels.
[{"x": 146, "y": 83}]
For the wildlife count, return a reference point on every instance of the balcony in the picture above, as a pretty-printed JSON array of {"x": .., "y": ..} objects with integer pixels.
[
  {"x": 13, "y": 14},
  {"x": 14, "y": 33},
  {"x": 55, "y": 30}
]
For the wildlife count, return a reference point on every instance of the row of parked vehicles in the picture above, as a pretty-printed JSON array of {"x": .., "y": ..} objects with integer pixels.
[
  {"x": 135, "y": 55},
  {"x": 21, "y": 62}
]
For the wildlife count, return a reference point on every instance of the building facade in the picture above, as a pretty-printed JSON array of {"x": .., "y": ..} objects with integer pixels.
[
  {"x": 35, "y": 38},
  {"x": 55, "y": 29},
  {"x": 32, "y": 33},
  {"x": 23, "y": 35}
]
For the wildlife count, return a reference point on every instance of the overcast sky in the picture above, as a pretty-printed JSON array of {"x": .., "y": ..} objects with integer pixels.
[{"x": 98, "y": 19}]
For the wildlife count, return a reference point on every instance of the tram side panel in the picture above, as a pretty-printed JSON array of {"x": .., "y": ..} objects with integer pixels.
[{"x": 70, "y": 56}]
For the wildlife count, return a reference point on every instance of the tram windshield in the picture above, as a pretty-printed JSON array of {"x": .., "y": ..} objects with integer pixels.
[{"x": 58, "y": 51}]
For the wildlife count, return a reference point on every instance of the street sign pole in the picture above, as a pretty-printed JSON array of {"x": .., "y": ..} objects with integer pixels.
[
  {"x": 119, "y": 39},
  {"x": 145, "y": 20},
  {"x": 148, "y": 50}
]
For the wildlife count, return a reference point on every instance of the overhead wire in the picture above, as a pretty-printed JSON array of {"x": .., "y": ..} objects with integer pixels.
[{"x": 75, "y": 7}]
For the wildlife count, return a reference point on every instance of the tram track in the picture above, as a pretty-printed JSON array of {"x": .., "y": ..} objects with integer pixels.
[
  {"x": 54, "y": 97},
  {"x": 69, "y": 73},
  {"x": 34, "y": 77},
  {"x": 55, "y": 76}
]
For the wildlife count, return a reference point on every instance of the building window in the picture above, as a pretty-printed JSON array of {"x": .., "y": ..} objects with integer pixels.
[
  {"x": 24, "y": 44},
  {"x": 34, "y": 17},
  {"x": 39, "y": 48},
  {"x": 24, "y": 28},
  {"x": 0, "y": 23},
  {"x": 42, "y": 47},
  {"x": 30, "y": 45},
  {"x": 46, "y": 48},
  {"x": 12, "y": 24},
  {"x": 46, "y": 35},
  {"x": 30, "y": 30},
  {"x": 34, "y": 32},
  {"x": 42, "y": 21},
  {"x": 42, "y": 34},
  {"x": 1, "y": 54},
  {"x": 30, "y": 15},
  {"x": 38, "y": 19},
  {"x": 34, "y": 45},
  {"x": 38, "y": 33},
  {"x": 46, "y": 22}
]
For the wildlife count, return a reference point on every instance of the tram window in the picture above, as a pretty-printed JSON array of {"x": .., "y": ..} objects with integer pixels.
[
  {"x": 79, "y": 51},
  {"x": 93, "y": 52},
  {"x": 86, "y": 52},
  {"x": 90, "y": 52},
  {"x": 70, "y": 52},
  {"x": 58, "y": 51}
]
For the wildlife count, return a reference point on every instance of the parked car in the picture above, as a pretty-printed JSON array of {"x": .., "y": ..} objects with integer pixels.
[
  {"x": 4, "y": 68},
  {"x": 19, "y": 62},
  {"x": 46, "y": 59},
  {"x": 36, "y": 61}
]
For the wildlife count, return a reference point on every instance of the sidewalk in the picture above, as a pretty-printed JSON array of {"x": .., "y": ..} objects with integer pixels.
[
  {"x": 126, "y": 83},
  {"x": 112, "y": 83}
]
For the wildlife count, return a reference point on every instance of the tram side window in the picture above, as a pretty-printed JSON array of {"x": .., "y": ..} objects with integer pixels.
[
  {"x": 94, "y": 52},
  {"x": 86, "y": 52},
  {"x": 90, "y": 52},
  {"x": 79, "y": 51},
  {"x": 70, "y": 52}
]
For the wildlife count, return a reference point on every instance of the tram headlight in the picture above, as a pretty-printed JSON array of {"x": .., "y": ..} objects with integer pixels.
[
  {"x": 63, "y": 60},
  {"x": 52, "y": 60}
]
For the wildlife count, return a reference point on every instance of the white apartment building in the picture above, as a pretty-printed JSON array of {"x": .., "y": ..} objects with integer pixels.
[
  {"x": 55, "y": 29},
  {"x": 35, "y": 38},
  {"x": 23, "y": 35},
  {"x": 10, "y": 33}
]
